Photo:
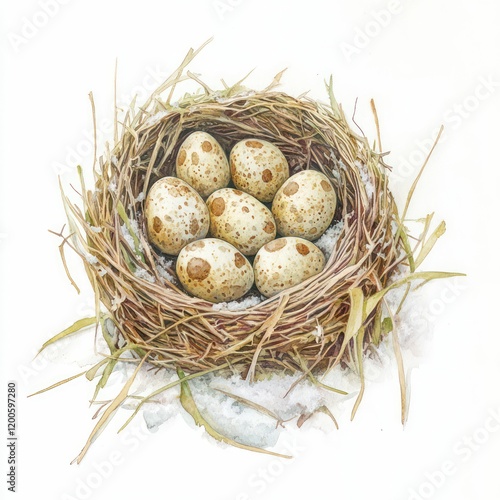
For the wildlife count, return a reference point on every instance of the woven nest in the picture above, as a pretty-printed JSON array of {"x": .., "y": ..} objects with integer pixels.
[{"x": 309, "y": 328}]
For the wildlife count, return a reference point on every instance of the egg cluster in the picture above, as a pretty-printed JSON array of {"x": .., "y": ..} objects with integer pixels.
[{"x": 241, "y": 222}]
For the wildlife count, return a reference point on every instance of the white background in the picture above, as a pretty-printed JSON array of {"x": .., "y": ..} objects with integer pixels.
[{"x": 425, "y": 63}]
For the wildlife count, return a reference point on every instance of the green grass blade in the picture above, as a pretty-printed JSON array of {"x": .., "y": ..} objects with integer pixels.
[
  {"x": 387, "y": 325},
  {"x": 356, "y": 317},
  {"x": 372, "y": 302},
  {"x": 115, "y": 404},
  {"x": 403, "y": 235},
  {"x": 417, "y": 179},
  {"x": 75, "y": 327},
  {"x": 359, "y": 350},
  {"x": 57, "y": 384},
  {"x": 251, "y": 404},
  {"x": 124, "y": 217},
  {"x": 429, "y": 244},
  {"x": 189, "y": 405},
  {"x": 333, "y": 102}
]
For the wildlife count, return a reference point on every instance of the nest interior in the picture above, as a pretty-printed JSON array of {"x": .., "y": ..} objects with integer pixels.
[{"x": 302, "y": 329}]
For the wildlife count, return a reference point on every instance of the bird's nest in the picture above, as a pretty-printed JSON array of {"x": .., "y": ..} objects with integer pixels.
[{"x": 332, "y": 318}]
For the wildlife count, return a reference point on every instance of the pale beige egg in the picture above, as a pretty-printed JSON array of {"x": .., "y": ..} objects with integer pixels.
[
  {"x": 214, "y": 270},
  {"x": 258, "y": 168},
  {"x": 240, "y": 219},
  {"x": 305, "y": 205},
  {"x": 202, "y": 163},
  {"x": 286, "y": 262},
  {"x": 175, "y": 215}
]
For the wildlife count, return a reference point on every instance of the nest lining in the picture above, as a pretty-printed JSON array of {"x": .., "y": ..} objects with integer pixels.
[{"x": 300, "y": 329}]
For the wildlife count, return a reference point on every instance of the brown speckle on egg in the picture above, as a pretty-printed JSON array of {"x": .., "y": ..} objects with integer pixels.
[
  {"x": 326, "y": 185},
  {"x": 181, "y": 157},
  {"x": 218, "y": 206},
  {"x": 197, "y": 244},
  {"x": 198, "y": 269},
  {"x": 267, "y": 175},
  {"x": 239, "y": 260},
  {"x": 276, "y": 245},
  {"x": 254, "y": 144},
  {"x": 291, "y": 189},
  {"x": 269, "y": 228},
  {"x": 194, "y": 226},
  {"x": 206, "y": 146},
  {"x": 157, "y": 224},
  {"x": 302, "y": 249}
]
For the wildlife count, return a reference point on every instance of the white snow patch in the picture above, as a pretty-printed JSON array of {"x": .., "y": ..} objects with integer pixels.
[
  {"x": 236, "y": 305},
  {"x": 318, "y": 332},
  {"x": 335, "y": 174},
  {"x": 162, "y": 266},
  {"x": 101, "y": 271},
  {"x": 154, "y": 119},
  {"x": 128, "y": 237},
  {"x": 144, "y": 275},
  {"x": 366, "y": 179},
  {"x": 115, "y": 303},
  {"x": 329, "y": 239},
  {"x": 91, "y": 259},
  {"x": 223, "y": 99}
]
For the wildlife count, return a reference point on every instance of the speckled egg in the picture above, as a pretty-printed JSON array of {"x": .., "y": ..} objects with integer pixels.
[
  {"x": 286, "y": 262},
  {"x": 304, "y": 205},
  {"x": 202, "y": 163},
  {"x": 175, "y": 215},
  {"x": 258, "y": 168},
  {"x": 241, "y": 220},
  {"x": 214, "y": 270}
]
